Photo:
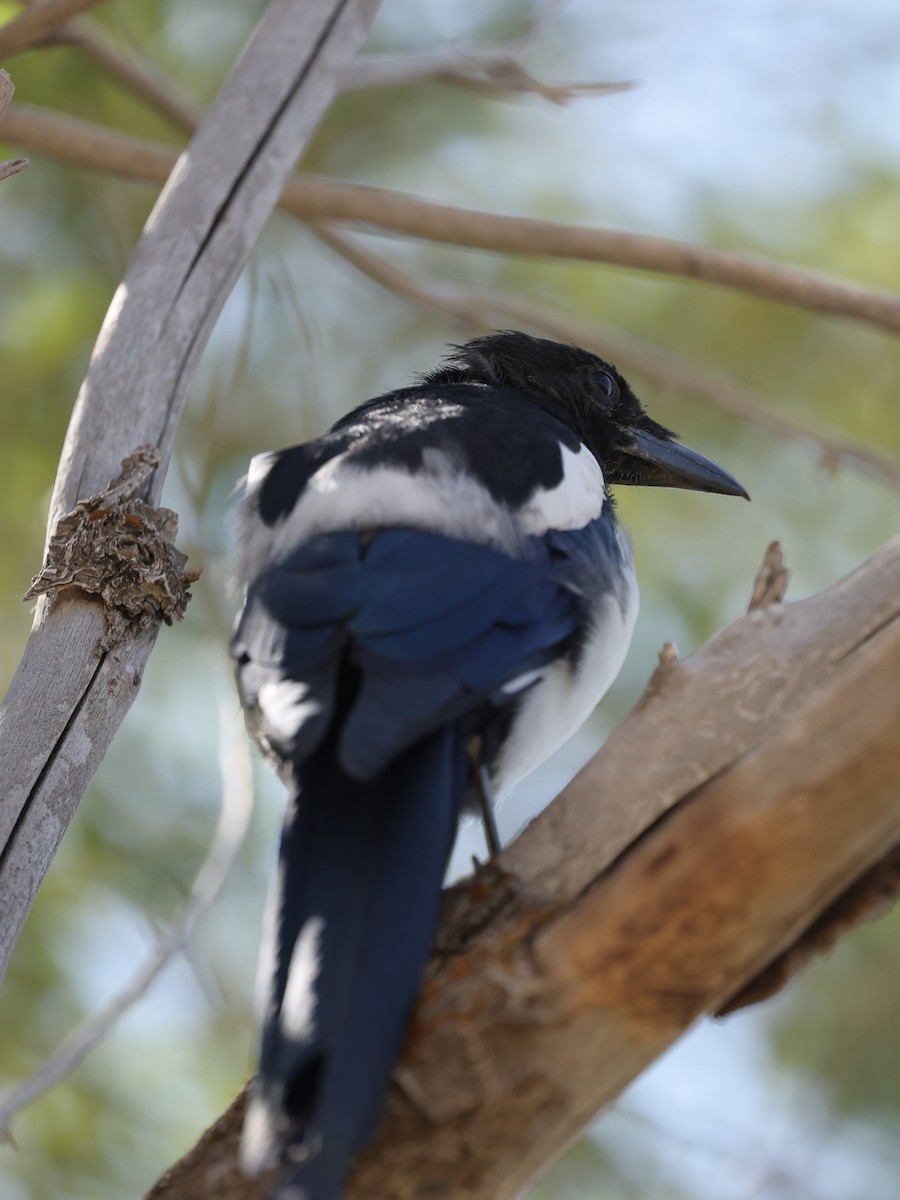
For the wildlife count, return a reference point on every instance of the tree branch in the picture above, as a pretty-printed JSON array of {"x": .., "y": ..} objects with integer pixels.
[
  {"x": 484, "y": 68},
  {"x": 460, "y": 60},
  {"x": 10, "y": 166},
  {"x": 481, "y": 311},
  {"x": 382, "y": 210},
  {"x": 71, "y": 691},
  {"x": 132, "y": 72},
  {"x": 494, "y": 72},
  {"x": 491, "y": 68},
  {"x": 653, "y": 890},
  {"x": 86, "y": 144},
  {"x": 36, "y": 22},
  {"x": 315, "y": 198},
  {"x": 236, "y": 774}
]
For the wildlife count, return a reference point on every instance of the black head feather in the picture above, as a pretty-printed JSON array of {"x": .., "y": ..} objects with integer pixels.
[
  {"x": 572, "y": 383},
  {"x": 594, "y": 399}
]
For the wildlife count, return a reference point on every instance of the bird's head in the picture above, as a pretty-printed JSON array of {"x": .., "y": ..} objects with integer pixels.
[{"x": 591, "y": 396}]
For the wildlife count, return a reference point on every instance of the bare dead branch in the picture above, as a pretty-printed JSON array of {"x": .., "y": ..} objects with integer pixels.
[
  {"x": 481, "y": 69},
  {"x": 382, "y": 210},
  {"x": 492, "y": 68},
  {"x": 484, "y": 68},
  {"x": 70, "y": 693},
  {"x": 480, "y": 311},
  {"x": 471, "y": 58},
  {"x": 136, "y": 74},
  {"x": 10, "y": 166},
  {"x": 84, "y": 143},
  {"x": 604, "y": 932},
  {"x": 36, "y": 22},
  {"x": 236, "y": 776},
  {"x": 771, "y": 580},
  {"x": 313, "y": 198}
]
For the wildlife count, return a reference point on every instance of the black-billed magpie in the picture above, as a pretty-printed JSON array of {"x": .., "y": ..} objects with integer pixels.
[{"x": 436, "y": 589}]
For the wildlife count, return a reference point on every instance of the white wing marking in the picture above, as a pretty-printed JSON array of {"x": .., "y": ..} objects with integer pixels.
[{"x": 576, "y": 500}]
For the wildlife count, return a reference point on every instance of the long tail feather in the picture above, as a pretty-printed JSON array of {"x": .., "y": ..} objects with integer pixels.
[{"x": 358, "y": 892}]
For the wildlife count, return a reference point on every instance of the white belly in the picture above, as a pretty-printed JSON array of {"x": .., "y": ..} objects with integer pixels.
[{"x": 552, "y": 709}]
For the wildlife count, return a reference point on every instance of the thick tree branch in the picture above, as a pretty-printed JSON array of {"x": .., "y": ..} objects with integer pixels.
[
  {"x": 653, "y": 890},
  {"x": 71, "y": 691},
  {"x": 314, "y": 198}
]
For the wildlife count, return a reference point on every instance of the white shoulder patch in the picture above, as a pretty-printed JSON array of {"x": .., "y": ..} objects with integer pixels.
[
  {"x": 254, "y": 538},
  {"x": 575, "y": 501},
  {"x": 259, "y": 468},
  {"x": 439, "y": 498}
]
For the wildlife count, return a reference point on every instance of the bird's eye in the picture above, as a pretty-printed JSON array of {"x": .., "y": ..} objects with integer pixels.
[{"x": 603, "y": 382}]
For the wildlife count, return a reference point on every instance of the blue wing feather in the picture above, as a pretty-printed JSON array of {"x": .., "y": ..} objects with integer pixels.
[
  {"x": 415, "y": 578},
  {"x": 434, "y": 626},
  {"x": 419, "y": 634}
]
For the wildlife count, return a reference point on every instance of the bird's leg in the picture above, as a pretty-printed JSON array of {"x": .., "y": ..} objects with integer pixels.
[
  {"x": 485, "y": 793},
  {"x": 486, "y": 799}
]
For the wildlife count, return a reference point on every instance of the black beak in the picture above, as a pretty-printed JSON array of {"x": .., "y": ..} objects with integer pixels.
[{"x": 655, "y": 462}]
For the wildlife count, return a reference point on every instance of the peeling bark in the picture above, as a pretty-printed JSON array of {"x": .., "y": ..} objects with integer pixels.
[{"x": 118, "y": 547}]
